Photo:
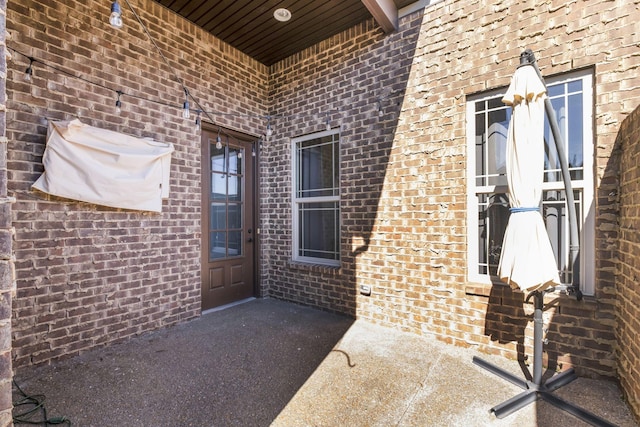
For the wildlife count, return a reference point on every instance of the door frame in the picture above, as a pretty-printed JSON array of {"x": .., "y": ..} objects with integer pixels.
[{"x": 204, "y": 198}]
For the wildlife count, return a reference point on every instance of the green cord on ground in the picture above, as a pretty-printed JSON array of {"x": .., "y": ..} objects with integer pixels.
[{"x": 35, "y": 406}]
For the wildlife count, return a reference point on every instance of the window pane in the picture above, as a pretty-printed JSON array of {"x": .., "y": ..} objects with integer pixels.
[
  {"x": 217, "y": 159},
  {"x": 218, "y": 186},
  {"x": 495, "y": 102},
  {"x": 235, "y": 161},
  {"x": 318, "y": 233},
  {"x": 493, "y": 215},
  {"x": 555, "y": 90},
  {"x": 235, "y": 243},
  {"x": 481, "y": 147},
  {"x": 218, "y": 216},
  {"x": 235, "y": 188},
  {"x": 576, "y": 129},
  {"x": 569, "y": 111},
  {"x": 555, "y": 216},
  {"x": 491, "y": 139},
  {"x": 574, "y": 86},
  {"x": 235, "y": 215},
  {"x": 496, "y": 156},
  {"x": 217, "y": 244},
  {"x": 317, "y": 167}
]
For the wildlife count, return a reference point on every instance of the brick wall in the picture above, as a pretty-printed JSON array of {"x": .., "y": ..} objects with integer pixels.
[
  {"x": 404, "y": 174},
  {"x": 628, "y": 308},
  {"x": 7, "y": 289},
  {"x": 89, "y": 275},
  {"x": 358, "y": 78}
]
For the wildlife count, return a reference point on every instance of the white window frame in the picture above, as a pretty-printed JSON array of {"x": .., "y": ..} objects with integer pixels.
[
  {"x": 586, "y": 224},
  {"x": 298, "y": 202}
]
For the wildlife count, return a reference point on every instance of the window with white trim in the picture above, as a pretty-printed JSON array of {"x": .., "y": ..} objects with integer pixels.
[
  {"x": 316, "y": 198},
  {"x": 488, "y": 118}
]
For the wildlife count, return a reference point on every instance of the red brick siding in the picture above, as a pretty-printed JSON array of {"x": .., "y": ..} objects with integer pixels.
[
  {"x": 628, "y": 291},
  {"x": 89, "y": 275},
  {"x": 404, "y": 176},
  {"x": 7, "y": 289},
  {"x": 343, "y": 76}
]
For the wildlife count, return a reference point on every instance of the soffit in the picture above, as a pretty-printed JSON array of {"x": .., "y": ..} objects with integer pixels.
[{"x": 249, "y": 25}]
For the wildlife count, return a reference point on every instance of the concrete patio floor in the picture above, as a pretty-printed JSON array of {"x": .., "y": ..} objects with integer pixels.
[{"x": 268, "y": 362}]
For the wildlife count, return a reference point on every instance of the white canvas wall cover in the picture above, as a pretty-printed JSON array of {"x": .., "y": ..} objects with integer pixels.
[{"x": 104, "y": 167}]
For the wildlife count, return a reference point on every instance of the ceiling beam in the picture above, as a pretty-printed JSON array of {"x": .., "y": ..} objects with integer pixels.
[{"x": 384, "y": 12}]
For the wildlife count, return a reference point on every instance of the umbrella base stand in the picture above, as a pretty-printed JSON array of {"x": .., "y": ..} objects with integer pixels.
[{"x": 535, "y": 389}]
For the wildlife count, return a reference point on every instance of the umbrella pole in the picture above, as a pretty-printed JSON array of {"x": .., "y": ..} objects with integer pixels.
[
  {"x": 527, "y": 57},
  {"x": 538, "y": 325}
]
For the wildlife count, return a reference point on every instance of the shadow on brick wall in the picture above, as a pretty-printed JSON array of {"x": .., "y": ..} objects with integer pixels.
[
  {"x": 624, "y": 168},
  {"x": 359, "y": 79}
]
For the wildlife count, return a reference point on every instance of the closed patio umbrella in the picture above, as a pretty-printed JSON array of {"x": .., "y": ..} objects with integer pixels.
[{"x": 527, "y": 261}]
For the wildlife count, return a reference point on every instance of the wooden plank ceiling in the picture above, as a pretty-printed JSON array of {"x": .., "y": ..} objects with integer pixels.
[{"x": 249, "y": 25}]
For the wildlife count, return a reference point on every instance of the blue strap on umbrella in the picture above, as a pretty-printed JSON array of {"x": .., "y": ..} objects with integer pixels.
[{"x": 516, "y": 210}]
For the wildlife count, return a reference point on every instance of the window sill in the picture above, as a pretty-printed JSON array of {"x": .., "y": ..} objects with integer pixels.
[
  {"x": 313, "y": 267},
  {"x": 485, "y": 290}
]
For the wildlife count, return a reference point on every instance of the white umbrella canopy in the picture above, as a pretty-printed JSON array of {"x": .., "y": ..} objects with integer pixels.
[{"x": 527, "y": 261}]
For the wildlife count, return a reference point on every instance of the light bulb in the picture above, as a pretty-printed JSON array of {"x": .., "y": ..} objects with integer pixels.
[
  {"x": 115, "y": 19},
  {"x": 118, "y": 103},
  {"x": 269, "y": 129},
  {"x": 198, "y": 121},
  {"x": 218, "y": 143},
  {"x": 28, "y": 73},
  {"x": 186, "y": 113}
]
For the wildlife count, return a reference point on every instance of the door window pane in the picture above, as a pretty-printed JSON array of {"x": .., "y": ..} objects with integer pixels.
[
  {"x": 235, "y": 215},
  {"x": 235, "y": 188},
  {"x": 218, "y": 213},
  {"x": 218, "y": 163},
  {"x": 235, "y": 160},
  {"x": 218, "y": 186},
  {"x": 217, "y": 244},
  {"x": 235, "y": 243}
]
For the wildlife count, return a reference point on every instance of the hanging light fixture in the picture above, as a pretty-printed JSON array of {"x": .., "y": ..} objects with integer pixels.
[
  {"x": 218, "y": 141},
  {"x": 115, "y": 19},
  {"x": 328, "y": 123},
  {"x": 28, "y": 73},
  {"x": 269, "y": 128},
  {"x": 118, "y": 103},
  {"x": 186, "y": 112},
  {"x": 198, "y": 121}
]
